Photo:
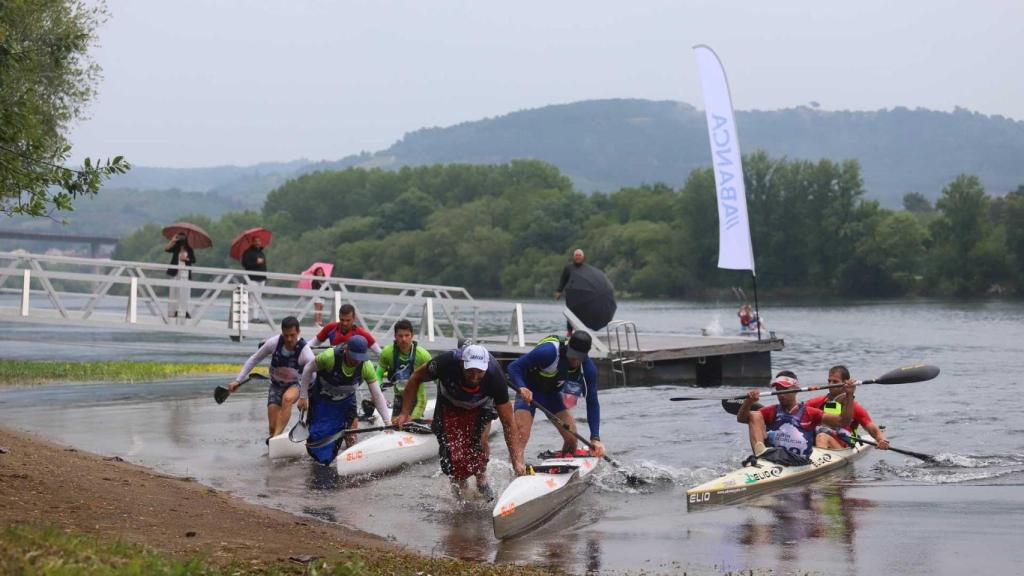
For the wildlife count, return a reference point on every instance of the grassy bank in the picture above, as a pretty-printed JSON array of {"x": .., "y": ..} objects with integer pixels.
[
  {"x": 47, "y": 371},
  {"x": 33, "y": 550}
]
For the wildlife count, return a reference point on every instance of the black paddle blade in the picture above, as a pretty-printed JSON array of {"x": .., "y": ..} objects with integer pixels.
[
  {"x": 908, "y": 374},
  {"x": 732, "y": 406},
  {"x": 220, "y": 394}
]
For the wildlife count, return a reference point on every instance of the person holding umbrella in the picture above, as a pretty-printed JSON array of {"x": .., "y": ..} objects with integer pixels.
[
  {"x": 589, "y": 294},
  {"x": 247, "y": 248},
  {"x": 182, "y": 239}
]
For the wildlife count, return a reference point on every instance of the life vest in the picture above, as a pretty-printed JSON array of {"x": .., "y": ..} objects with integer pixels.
[
  {"x": 284, "y": 368},
  {"x": 334, "y": 383},
  {"x": 836, "y": 407},
  {"x": 557, "y": 376},
  {"x": 452, "y": 387},
  {"x": 785, "y": 431},
  {"x": 402, "y": 372}
]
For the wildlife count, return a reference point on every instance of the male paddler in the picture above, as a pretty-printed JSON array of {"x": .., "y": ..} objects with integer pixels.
[
  {"x": 790, "y": 425},
  {"x": 399, "y": 360},
  {"x": 832, "y": 403},
  {"x": 553, "y": 368},
  {"x": 288, "y": 355},
  {"x": 467, "y": 379},
  {"x": 335, "y": 375}
]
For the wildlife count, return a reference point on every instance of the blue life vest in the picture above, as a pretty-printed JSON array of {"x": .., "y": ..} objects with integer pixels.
[
  {"x": 284, "y": 368},
  {"x": 785, "y": 432},
  {"x": 335, "y": 384},
  {"x": 452, "y": 385},
  {"x": 557, "y": 377}
]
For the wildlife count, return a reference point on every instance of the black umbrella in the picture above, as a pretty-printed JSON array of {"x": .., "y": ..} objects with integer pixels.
[{"x": 590, "y": 296}]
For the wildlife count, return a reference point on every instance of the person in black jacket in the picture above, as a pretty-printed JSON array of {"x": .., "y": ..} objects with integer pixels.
[
  {"x": 181, "y": 254},
  {"x": 254, "y": 260}
]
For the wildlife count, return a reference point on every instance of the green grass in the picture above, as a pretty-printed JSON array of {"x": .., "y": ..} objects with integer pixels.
[
  {"x": 31, "y": 551},
  {"x": 47, "y": 371}
]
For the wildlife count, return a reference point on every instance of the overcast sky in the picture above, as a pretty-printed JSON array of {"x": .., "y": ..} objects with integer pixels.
[{"x": 211, "y": 82}]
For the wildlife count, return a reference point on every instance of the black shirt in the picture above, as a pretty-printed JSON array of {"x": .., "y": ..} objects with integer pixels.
[
  {"x": 250, "y": 261},
  {"x": 446, "y": 369},
  {"x": 175, "y": 252},
  {"x": 566, "y": 274}
]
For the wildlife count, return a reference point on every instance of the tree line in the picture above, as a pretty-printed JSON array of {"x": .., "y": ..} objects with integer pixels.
[{"x": 507, "y": 230}]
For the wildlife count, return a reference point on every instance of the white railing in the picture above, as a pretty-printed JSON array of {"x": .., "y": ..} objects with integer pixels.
[{"x": 85, "y": 290}]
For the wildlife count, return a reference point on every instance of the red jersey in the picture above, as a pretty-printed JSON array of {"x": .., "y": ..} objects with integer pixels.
[
  {"x": 860, "y": 415},
  {"x": 810, "y": 421},
  {"x": 331, "y": 332}
]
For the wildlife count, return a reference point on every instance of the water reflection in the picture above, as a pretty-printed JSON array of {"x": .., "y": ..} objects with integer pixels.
[{"x": 799, "y": 517}]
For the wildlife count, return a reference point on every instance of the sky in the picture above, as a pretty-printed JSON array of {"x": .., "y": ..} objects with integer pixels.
[{"x": 212, "y": 82}]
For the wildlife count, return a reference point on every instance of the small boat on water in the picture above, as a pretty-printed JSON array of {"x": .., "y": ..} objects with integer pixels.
[
  {"x": 389, "y": 450},
  {"x": 764, "y": 476},
  {"x": 532, "y": 499}
]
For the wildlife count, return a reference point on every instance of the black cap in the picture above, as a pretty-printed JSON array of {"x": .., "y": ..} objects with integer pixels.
[{"x": 579, "y": 345}]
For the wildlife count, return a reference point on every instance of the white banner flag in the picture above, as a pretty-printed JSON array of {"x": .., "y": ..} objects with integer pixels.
[{"x": 734, "y": 248}]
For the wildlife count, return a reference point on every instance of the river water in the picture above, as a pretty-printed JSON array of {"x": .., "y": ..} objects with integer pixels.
[{"x": 887, "y": 514}]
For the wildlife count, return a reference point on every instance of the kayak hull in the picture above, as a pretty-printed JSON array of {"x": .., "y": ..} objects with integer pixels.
[
  {"x": 766, "y": 476},
  {"x": 385, "y": 452},
  {"x": 281, "y": 447},
  {"x": 531, "y": 500}
]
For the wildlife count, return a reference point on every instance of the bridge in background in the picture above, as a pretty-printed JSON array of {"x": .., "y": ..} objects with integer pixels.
[{"x": 94, "y": 242}]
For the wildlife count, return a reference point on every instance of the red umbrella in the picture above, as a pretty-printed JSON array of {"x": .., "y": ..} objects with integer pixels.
[
  {"x": 196, "y": 236},
  {"x": 308, "y": 276},
  {"x": 242, "y": 242}
]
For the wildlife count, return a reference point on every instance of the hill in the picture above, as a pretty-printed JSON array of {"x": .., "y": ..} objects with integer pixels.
[{"x": 608, "y": 144}]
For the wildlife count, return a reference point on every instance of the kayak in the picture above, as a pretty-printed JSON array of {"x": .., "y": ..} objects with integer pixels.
[
  {"x": 388, "y": 450},
  {"x": 281, "y": 446},
  {"x": 764, "y": 476},
  {"x": 532, "y": 499}
]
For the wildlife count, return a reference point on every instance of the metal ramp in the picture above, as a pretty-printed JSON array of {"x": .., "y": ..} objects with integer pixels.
[{"x": 620, "y": 343}]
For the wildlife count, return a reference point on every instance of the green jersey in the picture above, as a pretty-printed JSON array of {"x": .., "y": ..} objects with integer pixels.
[{"x": 397, "y": 366}]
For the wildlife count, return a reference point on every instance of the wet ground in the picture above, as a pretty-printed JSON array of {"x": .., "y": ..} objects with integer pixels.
[{"x": 887, "y": 514}]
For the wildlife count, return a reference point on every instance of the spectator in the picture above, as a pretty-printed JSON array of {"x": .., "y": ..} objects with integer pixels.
[{"x": 181, "y": 254}]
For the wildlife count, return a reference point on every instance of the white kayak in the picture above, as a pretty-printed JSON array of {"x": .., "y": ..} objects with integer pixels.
[
  {"x": 532, "y": 499},
  {"x": 388, "y": 450},
  {"x": 764, "y": 476},
  {"x": 281, "y": 446}
]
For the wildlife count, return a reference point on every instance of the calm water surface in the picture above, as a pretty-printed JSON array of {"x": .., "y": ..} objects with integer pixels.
[{"x": 887, "y": 514}]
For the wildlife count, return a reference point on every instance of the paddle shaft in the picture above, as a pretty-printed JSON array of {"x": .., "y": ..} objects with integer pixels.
[
  {"x": 911, "y": 453},
  {"x": 565, "y": 426}
]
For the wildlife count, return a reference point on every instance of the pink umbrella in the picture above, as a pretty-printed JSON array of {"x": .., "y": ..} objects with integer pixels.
[{"x": 307, "y": 283}]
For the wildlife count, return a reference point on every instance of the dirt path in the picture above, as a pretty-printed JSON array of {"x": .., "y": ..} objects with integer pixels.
[{"x": 43, "y": 483}]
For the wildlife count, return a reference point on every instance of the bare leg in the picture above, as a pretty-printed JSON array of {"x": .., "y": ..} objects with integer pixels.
[
  {"x": 272, "y": 415},
  {"x": 828, "y": 441},
  {"x": 569, "y": 442},
  {"x": 524, "y": 423},
  {"x": 288, "y": 399},
  {"x": 350, "y": 439}
]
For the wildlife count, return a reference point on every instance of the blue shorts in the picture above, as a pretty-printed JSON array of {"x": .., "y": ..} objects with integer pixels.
[
  {"x": 276, "y": 392},
  {"x": 552, "y": 402}
]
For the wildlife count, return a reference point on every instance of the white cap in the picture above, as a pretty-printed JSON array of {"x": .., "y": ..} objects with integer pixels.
[{"x": 475, "y": 356}]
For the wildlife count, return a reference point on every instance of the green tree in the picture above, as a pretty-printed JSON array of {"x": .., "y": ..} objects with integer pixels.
[
  {"x": 47, "y": 79},
  {"x": 960, "y": 229},
  {"x": 916, "y": 202}
]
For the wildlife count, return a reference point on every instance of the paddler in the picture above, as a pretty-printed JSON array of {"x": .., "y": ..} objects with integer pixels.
[
  {"x": 553, "y": 368},
  {"x": 398, "y": 361},
  {"x": 832, "y": 403},
  {"x": 288, "y": 355},
  {"x": 467, "y": 380},
  {"x": 338, "y": 332},
  {"x": 335, "y": 376},
  {"x": 790, "y": 425}
]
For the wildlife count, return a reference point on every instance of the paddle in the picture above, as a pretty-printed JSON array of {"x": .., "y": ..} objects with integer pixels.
[
  {"x": 918, "y": 455},
  {"x": 905, "y": 375},
  {"x": 630, "y": 478},
  {"x": 416, "y": 427},
  {"x": 221, "y": 393}
]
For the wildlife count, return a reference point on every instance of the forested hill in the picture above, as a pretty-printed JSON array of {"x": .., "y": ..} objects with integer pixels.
[{"x": 608, "y": 144}]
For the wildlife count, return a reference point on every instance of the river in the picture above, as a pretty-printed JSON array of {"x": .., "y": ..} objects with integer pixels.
[{"x": 887, "y": 514}]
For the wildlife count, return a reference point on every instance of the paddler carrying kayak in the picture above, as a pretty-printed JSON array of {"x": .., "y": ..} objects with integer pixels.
[
  {"x": 468, "y": 380},
  {"x": 789, "y": 425},
  {"x": 398, "y": 361},
  {"x": 288, "y": 355},
  {"x": 553, "y": 368},
  {"x": 335, "y": 375}
]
